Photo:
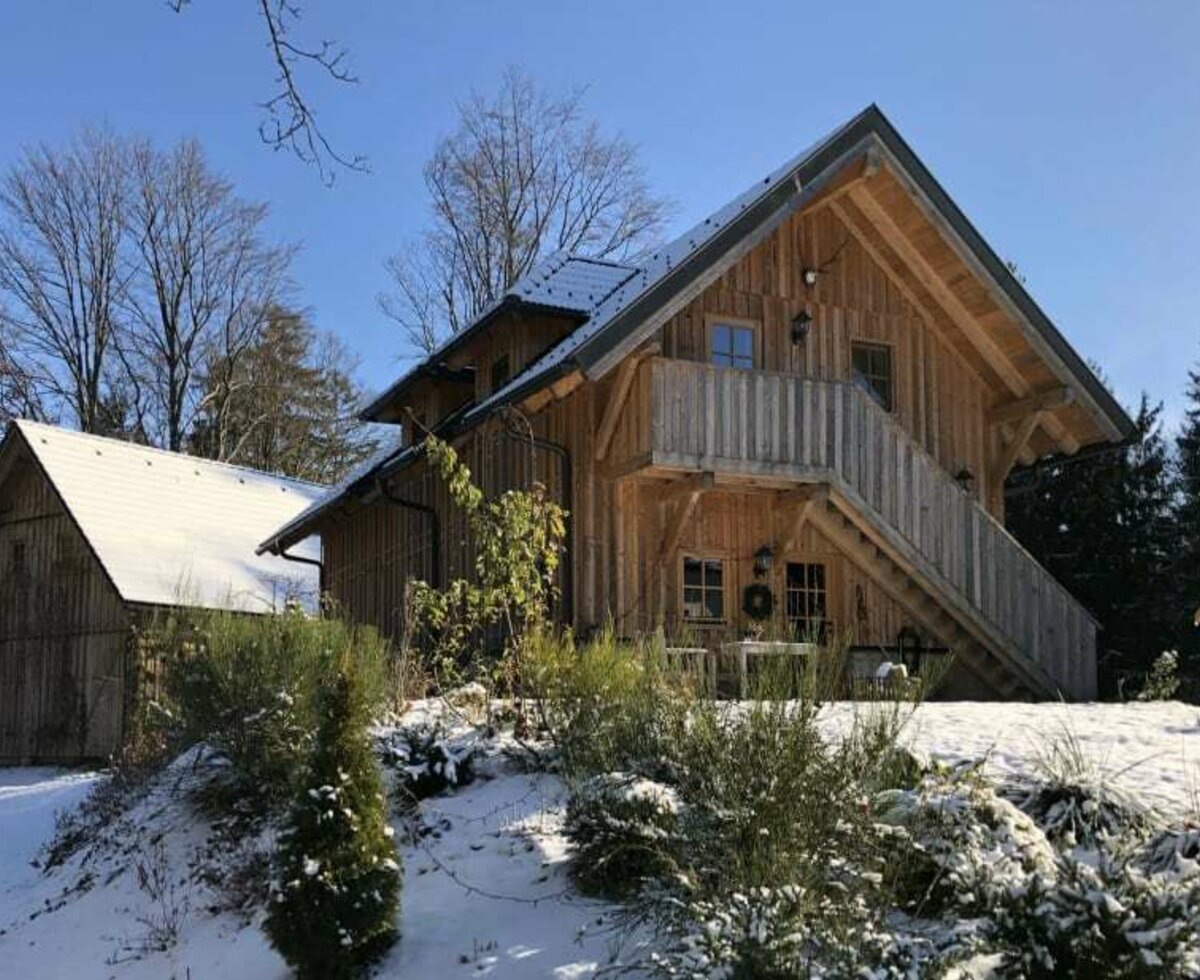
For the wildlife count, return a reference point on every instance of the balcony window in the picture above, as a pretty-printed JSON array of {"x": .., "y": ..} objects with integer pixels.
[
  {"x": 703, "y": 590},
  {"x": 807, "y": 600},
  {"x": 871, "y": 369},
  {"x": 733, "y": 345}
]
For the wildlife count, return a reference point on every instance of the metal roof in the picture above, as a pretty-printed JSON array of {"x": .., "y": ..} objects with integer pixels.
[
  {"x": 175, "y": 530},
  {"x": 562, "y": 282}
]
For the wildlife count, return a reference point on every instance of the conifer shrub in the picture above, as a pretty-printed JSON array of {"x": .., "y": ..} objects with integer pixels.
[
  {"x": 1099, "y": 917},
  {"x": 336, "y": 899},
  {"x": 428, "y": 763},
  {"x": 623, "y": 828}
]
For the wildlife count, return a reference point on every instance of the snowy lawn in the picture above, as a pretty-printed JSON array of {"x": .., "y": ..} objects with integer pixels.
[{"x": 486, "y": 890}]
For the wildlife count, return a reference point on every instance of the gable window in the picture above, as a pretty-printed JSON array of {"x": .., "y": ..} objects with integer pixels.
[
  {"x": 733, "y": 345},
  {"x": 871, "y": 369},
  {"x": 703, "y": 589},
  {"x": 500, "y": 372},
  {"x": 807, "y": 600}
]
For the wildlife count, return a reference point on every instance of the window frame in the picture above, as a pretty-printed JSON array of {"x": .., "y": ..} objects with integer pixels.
[
  {"x": 704, "y": 588},
  {"x": 805, "y": 594},
  {"x": 753, "y": 327},
  {"x": 876, "y": 347}
]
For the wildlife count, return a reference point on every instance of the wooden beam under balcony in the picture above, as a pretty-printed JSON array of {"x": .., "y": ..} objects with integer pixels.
[
  {"x": 618, "y": 397},
  {"x": 685, "y": 495},
  {"x": 805, "y": 501}
]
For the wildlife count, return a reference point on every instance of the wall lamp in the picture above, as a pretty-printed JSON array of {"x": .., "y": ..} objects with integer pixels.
[{"x": 801, "y": 325}]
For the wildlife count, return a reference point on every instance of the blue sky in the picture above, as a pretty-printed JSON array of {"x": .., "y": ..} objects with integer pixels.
[{"x": 1068, "y": 132}]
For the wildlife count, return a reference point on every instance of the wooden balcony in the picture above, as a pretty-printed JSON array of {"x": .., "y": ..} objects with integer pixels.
[{"x": 910, "y": 520}]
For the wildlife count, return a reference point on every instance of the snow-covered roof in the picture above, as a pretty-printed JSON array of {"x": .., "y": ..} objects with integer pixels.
[
  {"x": 330, "y": 495},
  {"x": 171, "y": 529}
]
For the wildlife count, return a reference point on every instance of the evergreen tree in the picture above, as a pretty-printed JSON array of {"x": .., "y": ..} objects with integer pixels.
[
  {"x": 338, "y": 896},
  {"x": 284, "y": 402},
  {"x": 1185, "y": 568},
  {"x": 1101, "y": 524}
]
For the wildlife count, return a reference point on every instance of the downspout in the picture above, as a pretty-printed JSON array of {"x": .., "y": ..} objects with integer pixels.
[
  {"x": 301, "y": 560},
  {"x": 528, "y": 438},
  {"x": 435, "y": 528}
]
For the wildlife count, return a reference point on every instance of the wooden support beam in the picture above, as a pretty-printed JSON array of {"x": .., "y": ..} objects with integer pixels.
[
  {"x": 1010, "y": 450},
  {"x": 803, "y": 512},
  {"x": 617, "y": 398},
  {"x": 686, "y": 495},
  {"x": 1042, "y": 401}
]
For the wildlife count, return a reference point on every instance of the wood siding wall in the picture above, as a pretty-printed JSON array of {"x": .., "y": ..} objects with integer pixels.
[
  {"x": 64, "y": 633},
  {"x": 939, "y": 398}
]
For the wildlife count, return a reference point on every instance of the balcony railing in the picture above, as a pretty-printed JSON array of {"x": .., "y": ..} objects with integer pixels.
[{"x": 762, "y": 424}]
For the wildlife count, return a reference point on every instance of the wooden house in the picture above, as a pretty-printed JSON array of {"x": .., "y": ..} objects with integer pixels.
[
  {"x": 96, "y": 535},
  {"x": 804, "y": 408}
]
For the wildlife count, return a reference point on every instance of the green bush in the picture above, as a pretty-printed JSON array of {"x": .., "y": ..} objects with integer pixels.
[
  {"x": 1100, "y": 918},
  {"x": 606, "y": 705},
  {"x": 250, "y": 687},
  {"x": 336, "y": 903},
  {"x": 428, "y": 763},
  {"x": 622, "y": 828}
]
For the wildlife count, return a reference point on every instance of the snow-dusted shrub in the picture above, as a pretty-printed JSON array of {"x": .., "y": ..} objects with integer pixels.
[
  {"x": 1099, "y": 918},
  {"x": 954, "y": 843},
  {"x": 1161, "y": 682},
  {"x": 787, "y": 932},
  {"x": 1174, "y": 851},
  {"x": 623, "y": 829},
  {"x": 336, "y": 898},
  {"x": 250, "y": 687},
  {"x": 429, "y": 763},
  {"x": 1083, "y": 811}
]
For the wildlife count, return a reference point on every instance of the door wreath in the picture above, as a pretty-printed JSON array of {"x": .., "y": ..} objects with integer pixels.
[{"x": 757, "y": 601}]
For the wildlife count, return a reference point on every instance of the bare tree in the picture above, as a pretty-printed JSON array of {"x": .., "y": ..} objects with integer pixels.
[
  {"x": 19, "y": 394},
  {"x": 204, "y": 281},
  {"x": 291, "y": 119},
  {"x": 62, "y": 271},
  {"x": 524, "y": 174}
]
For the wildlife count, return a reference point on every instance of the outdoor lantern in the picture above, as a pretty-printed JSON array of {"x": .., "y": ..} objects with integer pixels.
[
  {"x": 762, "y": 560},
  {"x": 801, "y": 324},
  {"x": 965, "y": 479}
]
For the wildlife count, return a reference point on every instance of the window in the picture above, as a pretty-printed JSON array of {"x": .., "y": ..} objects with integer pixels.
[
  {"x": 871, "y": 366},
  {"x": 733, "y": 345},
  {"x": 807, "y": 600},
  {"x": 500, "y": 372},
  {"x": 703, "y": 589}
]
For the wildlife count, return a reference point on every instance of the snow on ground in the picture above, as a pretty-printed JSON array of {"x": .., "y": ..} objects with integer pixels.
[{"x": 486, "y": 891}]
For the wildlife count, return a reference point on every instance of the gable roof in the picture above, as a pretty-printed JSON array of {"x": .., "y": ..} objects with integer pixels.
[
  {"x": 171, "y": 529},
  {"x": 618, "y": 308},
  {"x": 563, "y": 283},
  {"x": 680, "y": 270}
]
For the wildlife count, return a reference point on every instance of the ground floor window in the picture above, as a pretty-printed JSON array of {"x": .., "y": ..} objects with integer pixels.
[
  {"x": 703, "y": 589},
  {"x": 807, "y": 599}
]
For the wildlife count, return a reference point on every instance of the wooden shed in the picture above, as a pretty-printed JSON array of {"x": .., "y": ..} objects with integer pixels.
[{"x": 95, "y": 535}]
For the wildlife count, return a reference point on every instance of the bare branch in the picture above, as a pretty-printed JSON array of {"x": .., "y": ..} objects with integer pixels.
[{"x": 291, "y": 120}]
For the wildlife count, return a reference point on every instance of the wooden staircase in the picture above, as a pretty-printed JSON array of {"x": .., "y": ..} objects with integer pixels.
[{"x": 891, "y": 508}]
